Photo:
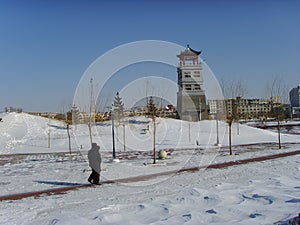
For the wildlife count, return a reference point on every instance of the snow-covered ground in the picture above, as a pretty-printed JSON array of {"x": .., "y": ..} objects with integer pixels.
[{"x": 255, "y": 193}]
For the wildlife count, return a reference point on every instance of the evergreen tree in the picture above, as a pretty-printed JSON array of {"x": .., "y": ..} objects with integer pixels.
[
  {"x": 152, "y": 113},
  {"x": 151, "y": 109},
  {"x": 118, "y": 107}
]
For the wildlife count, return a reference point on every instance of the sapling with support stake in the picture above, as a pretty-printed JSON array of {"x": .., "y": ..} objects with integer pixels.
[
  {"x": 152, "y": 113},
  {"x": 229, "y": 121}
]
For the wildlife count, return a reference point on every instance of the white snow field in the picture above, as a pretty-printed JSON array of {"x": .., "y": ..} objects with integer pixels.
[{"x": 266, "y": 192}]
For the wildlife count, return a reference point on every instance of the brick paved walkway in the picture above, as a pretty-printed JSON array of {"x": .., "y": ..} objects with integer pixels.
[{"x": 63, "y": 190}]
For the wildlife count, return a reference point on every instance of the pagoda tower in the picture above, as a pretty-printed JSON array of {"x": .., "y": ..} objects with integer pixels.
[{"x": 191, "y": 100}]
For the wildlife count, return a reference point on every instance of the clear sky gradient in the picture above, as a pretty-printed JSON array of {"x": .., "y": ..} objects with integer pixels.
[{"x": 45, "y": 46}]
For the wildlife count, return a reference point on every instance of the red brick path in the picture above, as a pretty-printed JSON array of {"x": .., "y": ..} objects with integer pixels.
[{"x": 63, "y": 190}]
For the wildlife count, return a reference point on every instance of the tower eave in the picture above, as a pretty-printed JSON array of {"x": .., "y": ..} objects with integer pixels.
[{"x": 189, "y": 52}]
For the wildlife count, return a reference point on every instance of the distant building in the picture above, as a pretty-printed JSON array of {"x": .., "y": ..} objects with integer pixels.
[
  {"x": 241, "y": 108},
  {"x": 249, "y": 108},
  {"x": 295, "y": 101},
  {"x": 191, "y": 100},
  {"x": 295, "y": 97},
  {"x": 12, "y": 109},
  {"x": 217, "y": 107}
]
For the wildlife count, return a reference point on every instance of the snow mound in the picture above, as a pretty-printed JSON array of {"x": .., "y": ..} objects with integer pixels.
[{"x": 24, "y": 133}]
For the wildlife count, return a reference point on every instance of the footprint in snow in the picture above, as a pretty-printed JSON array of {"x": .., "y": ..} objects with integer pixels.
[
  {"x": 293, "y": 200},
  {"x": 187, "y": 217},
  {"x": 211, "y": 211},
  {"x": 261, "y": 198},
  {"x": 254, "y": 215}
]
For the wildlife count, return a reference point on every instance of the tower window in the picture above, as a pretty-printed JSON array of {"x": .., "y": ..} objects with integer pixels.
[
  {"x": 188, "y": 87},
  {"x": 187, "y": 73},
  {"x": 196, "y": 73},
  {"x": 197, "y": 87}
]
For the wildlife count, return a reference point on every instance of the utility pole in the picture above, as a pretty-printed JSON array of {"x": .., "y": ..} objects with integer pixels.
[{"x": 91, "y": 110}]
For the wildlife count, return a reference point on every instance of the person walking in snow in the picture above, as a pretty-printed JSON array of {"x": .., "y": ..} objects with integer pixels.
[{"x": 94, "y": 158}]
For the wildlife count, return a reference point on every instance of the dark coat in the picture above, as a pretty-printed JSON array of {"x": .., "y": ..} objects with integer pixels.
[{"x": 95, "y": 158}]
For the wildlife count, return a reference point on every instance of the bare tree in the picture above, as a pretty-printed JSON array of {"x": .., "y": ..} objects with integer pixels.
[
  {"x": 234, "y": 88},
  {"x": 277, "y": 87},
  {"x": 92, "y": 111},
  {"x": 103, "y": 103},
  {"x": 67, "y": 122}
]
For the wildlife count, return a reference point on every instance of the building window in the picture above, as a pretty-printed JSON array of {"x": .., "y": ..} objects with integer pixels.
[
  {"x": 196, "y": 73},
  {"x": 187, "y": 73},
  {"x": 197, "y": 87},
  {"x": 188, "y": 87}
]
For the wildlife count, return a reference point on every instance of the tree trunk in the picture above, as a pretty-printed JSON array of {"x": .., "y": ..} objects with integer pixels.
[
  {"x": 124, "y": 137},
  {"x": 278, "y": 129},
  {"x": 90, "y": 132},
  {"x": 154, "y": 149},
  {"x": 69, "y": 137},
  {"x": 49, "y": 138},
  {"x": 230, "y": 148}
]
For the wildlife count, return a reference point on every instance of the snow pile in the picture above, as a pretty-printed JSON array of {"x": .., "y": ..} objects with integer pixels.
[{"x": 23, "y": 133}]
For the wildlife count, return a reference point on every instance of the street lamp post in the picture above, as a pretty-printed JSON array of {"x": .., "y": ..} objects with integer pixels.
[
  {"x": 217, "y": 121},
  {"x": 113, "y": 132}
]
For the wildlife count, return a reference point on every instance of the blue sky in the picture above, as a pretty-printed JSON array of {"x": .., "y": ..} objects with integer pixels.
[{"x": 45, "y": 46}]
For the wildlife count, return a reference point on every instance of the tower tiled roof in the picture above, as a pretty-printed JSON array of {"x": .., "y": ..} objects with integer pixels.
[
  {"x": 189, "y": 52},
  {"x": 192, "y": 50}
]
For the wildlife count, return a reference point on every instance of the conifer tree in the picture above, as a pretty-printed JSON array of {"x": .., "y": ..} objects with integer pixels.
[
  {"x": 118, "y": 107},
  {"x": 152, "y": 113},
  {"x": 151, "y": 109}
]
